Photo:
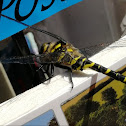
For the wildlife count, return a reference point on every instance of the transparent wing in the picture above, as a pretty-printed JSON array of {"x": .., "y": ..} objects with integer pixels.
[
  {"x": 92, "y": 50},
  {"x": 53, "y": 57},
  {"x": 31, "y": 59}
]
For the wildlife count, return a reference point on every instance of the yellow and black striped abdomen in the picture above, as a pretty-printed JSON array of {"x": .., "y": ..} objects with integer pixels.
[
  {"x": 111, "y": 73},
  {"x": 89, "y": 64}
]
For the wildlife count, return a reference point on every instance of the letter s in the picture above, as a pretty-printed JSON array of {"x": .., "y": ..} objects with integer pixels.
[{"x": 18, "y": 16}]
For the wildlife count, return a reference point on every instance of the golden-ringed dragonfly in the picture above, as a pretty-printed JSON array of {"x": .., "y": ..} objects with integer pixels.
[{"x": 61, "y": 54}]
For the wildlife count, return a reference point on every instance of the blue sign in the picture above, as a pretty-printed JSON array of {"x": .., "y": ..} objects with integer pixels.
[{"x": 29, "y": 12}]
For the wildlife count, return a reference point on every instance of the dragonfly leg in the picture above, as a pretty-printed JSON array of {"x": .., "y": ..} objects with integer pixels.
[
  {"x": 41, "y": 66},
  {"x": 51, "y": 68},
  {"x": 69, "y": 70},
  {"x": 45, "y": 72}
]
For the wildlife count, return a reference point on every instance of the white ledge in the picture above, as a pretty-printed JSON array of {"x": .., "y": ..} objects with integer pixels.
[{"x": 34, "y": 102}]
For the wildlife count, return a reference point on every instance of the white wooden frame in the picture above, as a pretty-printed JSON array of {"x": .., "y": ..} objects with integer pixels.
[{"x": 38, "y": 100}]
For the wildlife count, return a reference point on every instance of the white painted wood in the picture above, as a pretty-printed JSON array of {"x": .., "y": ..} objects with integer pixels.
[
  {"x": 34, "y": 102},
  {"x": 6, "y": 89}
]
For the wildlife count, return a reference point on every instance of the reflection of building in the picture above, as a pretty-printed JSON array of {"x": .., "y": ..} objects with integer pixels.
[{"x": 88, "y": 22}]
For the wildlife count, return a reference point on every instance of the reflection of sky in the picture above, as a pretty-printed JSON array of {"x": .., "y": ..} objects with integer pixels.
[{"x": 42, "y": 120}]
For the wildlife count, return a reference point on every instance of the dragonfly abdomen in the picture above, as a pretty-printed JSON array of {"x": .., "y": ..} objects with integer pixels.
[
  {"x": 111, "y": 73},
  {"x": 83, "y": 63}
]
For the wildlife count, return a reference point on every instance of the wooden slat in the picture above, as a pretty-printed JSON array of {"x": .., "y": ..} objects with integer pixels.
[{"x": 20, "y": 109}]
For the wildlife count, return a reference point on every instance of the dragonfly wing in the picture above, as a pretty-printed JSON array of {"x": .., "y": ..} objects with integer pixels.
[
  {"x": 31, "y": 59},
  {"x": 20, "y": 60}
]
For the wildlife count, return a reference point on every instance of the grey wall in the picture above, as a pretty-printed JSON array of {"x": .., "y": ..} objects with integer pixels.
[{"x": 87, "y": 23}]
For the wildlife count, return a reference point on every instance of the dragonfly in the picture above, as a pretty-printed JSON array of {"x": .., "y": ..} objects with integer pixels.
[{"x": 61, "y": 54}]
